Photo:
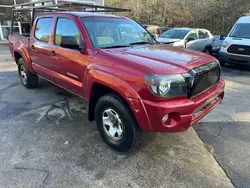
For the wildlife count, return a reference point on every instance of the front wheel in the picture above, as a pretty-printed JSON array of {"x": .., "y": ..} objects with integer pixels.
[
  {"x": 116, "y": 123},
  {"x": 28, "y": 79}
]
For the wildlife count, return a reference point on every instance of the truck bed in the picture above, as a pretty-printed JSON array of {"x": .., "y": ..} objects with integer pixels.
[{"x": 18, "y": 43}]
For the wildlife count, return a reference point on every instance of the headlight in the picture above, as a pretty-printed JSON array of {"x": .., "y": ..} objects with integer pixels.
[
  {"x": 167, "y": 85},
  {"x": 225, "y": 44}
]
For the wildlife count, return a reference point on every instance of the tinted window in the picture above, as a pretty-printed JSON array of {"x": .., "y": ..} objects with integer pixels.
[
  {"x": 192, "y": 34},
  {"x": 66, "y": 27},
  {"x": 116, "y": 32},
  {"x": 175, "y": 33},
  {"x": 43, "y": 29},
  {"x": 241, "y": 30},
  {"x": 203, "y": 34}
]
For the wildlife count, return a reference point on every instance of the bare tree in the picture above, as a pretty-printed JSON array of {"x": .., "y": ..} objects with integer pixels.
[{"x": 215, "y": 15}]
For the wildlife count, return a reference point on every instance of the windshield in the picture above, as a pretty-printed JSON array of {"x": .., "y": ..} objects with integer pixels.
[
  {"x": 116, "y": 32},
  {"x": 241, "y": 30},
  {"x": 175, "y": 33}
]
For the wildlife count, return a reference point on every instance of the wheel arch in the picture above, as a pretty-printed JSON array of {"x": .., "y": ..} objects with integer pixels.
[
  {"x": 209, "y": 46},
  {"x": 25, "y": 56},
  {"x": 97, "y": 91},
  {"x": 101, "y": 83},
  {"x": 17, "y": 56}
]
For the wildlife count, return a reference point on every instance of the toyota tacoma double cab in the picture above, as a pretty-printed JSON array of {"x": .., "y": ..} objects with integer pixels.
[{"x": 132, "y": 83}]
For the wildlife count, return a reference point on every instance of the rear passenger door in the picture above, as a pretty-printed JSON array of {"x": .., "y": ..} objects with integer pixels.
[
  {"x": 203, "y": 39},
  {"x": 40, "y": 47},
  {"x": 70, "y": 64},
  {"x": 193, "y": 43}
]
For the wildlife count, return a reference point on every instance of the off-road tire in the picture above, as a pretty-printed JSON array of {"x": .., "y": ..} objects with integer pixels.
[
  {"x": 131, "y": 132},
  {"x": 31, "y": 80}
]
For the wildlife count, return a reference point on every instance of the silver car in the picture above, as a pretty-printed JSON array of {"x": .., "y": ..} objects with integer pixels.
[{"x": 195, "y": 39}]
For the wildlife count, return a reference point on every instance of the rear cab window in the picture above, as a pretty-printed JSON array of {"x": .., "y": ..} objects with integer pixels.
[{"x": 43, "y": 30}]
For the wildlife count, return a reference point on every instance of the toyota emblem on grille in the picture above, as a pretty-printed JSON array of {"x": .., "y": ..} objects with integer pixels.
[{"x": 241, "y": 49}]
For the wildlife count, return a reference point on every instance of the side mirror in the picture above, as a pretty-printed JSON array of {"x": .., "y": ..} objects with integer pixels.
[
  {"x": 222, "y": 36},
  {"x": 190, "y": 39},
  {"x": 69, "y": 42}
]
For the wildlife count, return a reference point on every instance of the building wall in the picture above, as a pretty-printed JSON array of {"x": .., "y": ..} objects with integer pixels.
[{"x": 5, "y": 13}]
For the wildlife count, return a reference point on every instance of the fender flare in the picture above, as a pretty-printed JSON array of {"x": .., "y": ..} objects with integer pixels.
[
  {"x": 111, "y": 81},
  {"x": 23, "y": 52},
  {"x": 126, "y": 91}
]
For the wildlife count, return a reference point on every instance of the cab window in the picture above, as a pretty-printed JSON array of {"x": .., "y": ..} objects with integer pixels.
[
  {"x": 66, "y": 27},
  {"x": 43, "y": 29},
  {"x": 193, "y": 34},
  {"x": 203, "y": 34}
]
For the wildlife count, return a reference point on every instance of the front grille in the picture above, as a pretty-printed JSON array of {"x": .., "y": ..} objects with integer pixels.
[
  {"x": 239, "y": 49},
  {"x": 202, "y": 78}
]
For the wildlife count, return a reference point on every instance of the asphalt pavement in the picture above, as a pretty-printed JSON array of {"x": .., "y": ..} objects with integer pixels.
[
  {"x": 46, "y": 141},
  {"x": 227, "y": 129}
]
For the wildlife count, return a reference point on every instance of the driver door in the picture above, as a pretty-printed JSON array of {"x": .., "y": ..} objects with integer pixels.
[
  {"x": 70, "y": 64},
  {"x": 192, "y": 40}
]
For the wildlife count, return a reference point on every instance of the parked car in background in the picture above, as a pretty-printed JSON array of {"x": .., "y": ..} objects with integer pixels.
[
  {"x": 236, "y": 46},
  {"x": 195, "y": 39},
  {"x": 155, "y": 30}
]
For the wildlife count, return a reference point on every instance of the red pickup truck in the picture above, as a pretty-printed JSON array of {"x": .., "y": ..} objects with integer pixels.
[{"x": 131, "y": 82}]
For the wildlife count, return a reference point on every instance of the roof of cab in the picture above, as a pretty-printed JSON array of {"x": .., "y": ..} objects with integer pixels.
[
  {"x": 86, "y": 14},
  {"x": 244, "y": 19}
]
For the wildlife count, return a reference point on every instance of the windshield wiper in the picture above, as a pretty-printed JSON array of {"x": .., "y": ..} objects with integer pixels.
[
  {"x": 129, "y": 45},
  {"x": 138, "y": 43},
  {"x": 116, "y": 46},
  {"x": 234, "y": 36}
]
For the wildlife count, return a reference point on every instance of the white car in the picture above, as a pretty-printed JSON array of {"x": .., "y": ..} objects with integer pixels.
[
  {"x": 236, "y": 46},
  {"x": 195, "y": 39}
]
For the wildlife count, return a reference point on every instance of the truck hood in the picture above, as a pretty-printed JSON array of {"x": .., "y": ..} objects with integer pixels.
[
  {"x": 166, "y": 40},
  {"x": 160, "y": 59}
]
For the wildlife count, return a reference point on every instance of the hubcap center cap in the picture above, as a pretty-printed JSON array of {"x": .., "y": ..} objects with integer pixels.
[{"x": 112, "y": 124}]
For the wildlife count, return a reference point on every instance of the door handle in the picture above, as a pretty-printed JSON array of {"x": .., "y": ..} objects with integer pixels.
[
  {"x": 53, "y": 53},
  {"x": 33, "y": 47}
]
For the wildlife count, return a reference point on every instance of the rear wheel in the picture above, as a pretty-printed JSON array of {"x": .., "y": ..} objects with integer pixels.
[
  {"x": 116, "y": 123},
  {"x": 28, "y": 79}
]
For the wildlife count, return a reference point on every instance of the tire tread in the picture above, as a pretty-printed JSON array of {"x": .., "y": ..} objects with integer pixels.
[
  {"x": 118, "y": 101},
  {"x": 32, "y": 79}
]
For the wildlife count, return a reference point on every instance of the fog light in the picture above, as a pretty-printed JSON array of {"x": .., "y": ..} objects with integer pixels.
[{"x": 164, "y": 119}]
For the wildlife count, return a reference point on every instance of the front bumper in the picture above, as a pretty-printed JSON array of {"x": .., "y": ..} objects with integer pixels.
[
  {"x": 233, "y": 58},
  {"x": 182, "y": 113}
]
